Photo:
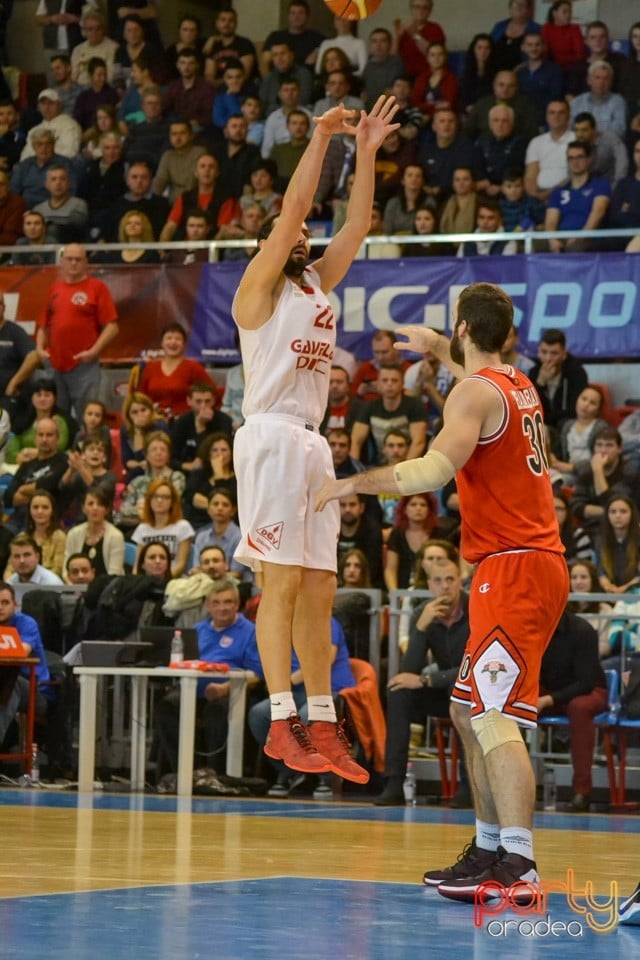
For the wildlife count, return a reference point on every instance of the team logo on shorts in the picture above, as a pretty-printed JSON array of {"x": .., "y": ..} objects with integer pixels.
[
  {"x": 270, "y": 535},
  {"x": 493, "y": 668}
]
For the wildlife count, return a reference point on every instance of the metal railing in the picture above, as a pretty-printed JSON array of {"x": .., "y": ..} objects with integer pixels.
[{"x": 524, "y": 238}]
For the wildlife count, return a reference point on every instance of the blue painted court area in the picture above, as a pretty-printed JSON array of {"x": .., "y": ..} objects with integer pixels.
[{"x": 289, "y": 917}]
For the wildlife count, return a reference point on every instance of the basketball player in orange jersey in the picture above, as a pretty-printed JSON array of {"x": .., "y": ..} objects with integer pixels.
[
  {"x": 287, "y": 338},
  {"x": 493, "y": 441}
]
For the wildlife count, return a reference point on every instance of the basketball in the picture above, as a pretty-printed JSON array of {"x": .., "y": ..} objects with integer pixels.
[{"x": 353, "y": 9}]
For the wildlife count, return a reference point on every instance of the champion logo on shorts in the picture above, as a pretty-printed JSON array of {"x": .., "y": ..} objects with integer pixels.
[
  {"x": 484, "y": 588},
  {"x": 270, "y": 535}
]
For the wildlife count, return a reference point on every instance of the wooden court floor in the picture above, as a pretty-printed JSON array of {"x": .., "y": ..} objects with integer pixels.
[{"x": 117, "y": 876}]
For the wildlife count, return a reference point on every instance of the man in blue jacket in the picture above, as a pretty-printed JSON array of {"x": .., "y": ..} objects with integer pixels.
[
  {"x": 14, "y": 691},
  {"x": 224, "y": 637}
]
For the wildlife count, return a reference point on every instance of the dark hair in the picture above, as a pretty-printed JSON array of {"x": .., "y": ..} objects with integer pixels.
[
  {"x": 222, "y": 492},
  {"x": 265, "y": 164},
  {"x": 552, "y": 336},
  {"x": 267, "y": 226},
  {"x": 585, "y": 606},
  {"x": 488, "y": 313},
  {"x": 608, "y": 433},
  {"x": 596, "y": 25},
  {"x": 396, "y": 432},
  {"x": 187, "y": 52},
  {"x": 201, "y": 386},
  {"x": 580, "y": 145},
  {"x": 174, "y": 328},
  {"x": 8, "y": 587},
  {"x": 212, "y": 546},
  {"x": 94, "y": 64},
  {"x": 383, "y": 30},
  {"x": 556, "y": 6},
  {"x": 419, "y": 575},
  {"x": 584, "y": 117},
  {"x": 365, "y": 571},
  {"x": 233, "y": 64},
  {"x": 45, "y": 383},
  {"x": 98, "y": 493},
  {"x": 189, "y": 17},
  {"x": 180, "y": 122},
  {"x": 78, "y": 556},
  {"x": 30, "y": 525},
  {"x": 145, "y": 550},
  {"x": 609, "y": 545},
  {"x": 512, "y": 173},
  {"x": 60, "y": 56},
  {"x": 204, "y": 450}
]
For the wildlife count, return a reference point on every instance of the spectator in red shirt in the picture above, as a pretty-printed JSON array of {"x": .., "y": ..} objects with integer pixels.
[
  {"x": 167, "y": 380},
  {"x": 437, "y": 87},
  {"x": 413, "y": 38},
  {"x": 78, "y": 322}
]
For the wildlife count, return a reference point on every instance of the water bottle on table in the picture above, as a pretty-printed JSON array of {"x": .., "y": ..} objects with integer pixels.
[
  {"x": 410, "y": 786},
  {"x": 177, "y": 647}
]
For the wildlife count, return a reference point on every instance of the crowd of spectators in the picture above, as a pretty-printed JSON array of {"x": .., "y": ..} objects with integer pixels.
[
  {"x": 539, "y": 120},
  {"x": 134, "y": 142}
]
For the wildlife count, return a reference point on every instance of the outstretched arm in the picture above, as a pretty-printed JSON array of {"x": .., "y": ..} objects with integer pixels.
[
  {"x": 263, "y": 272},
  {"x": 470, "y": 408},
  {"x": 372, "y": 130},
  {"x": 420, "y": 339}
]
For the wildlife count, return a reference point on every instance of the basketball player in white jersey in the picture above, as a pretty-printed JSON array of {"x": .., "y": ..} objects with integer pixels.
[{"x": 287, "y": 337}]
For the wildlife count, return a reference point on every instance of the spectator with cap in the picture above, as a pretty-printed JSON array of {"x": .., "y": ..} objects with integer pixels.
[{"x": 66, "y": 130}]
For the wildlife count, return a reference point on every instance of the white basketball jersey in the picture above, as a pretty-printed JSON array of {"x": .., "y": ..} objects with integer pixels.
[{"x": 287, "y": 361}]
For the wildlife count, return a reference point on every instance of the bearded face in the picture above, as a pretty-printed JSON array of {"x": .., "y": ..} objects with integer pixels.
[
  {"x": 455, "y": 348},
  {"x": 294, "y": 267}
]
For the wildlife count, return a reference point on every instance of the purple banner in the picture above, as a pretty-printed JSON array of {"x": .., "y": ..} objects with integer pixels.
[{"x": 593, "y": 298}]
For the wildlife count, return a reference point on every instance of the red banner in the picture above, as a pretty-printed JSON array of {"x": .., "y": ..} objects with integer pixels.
[{"x": 147, "y": 298}]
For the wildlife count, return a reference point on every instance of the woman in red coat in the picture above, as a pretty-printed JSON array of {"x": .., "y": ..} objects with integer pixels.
[
  {"x": 437, "y": 87},
  {"x": 564, "y": 41}
]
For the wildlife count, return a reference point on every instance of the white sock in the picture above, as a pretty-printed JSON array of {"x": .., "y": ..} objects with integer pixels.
[
  {"x": 322, "y": 708},
  {"x": 517, "y": 840},
  {"x": 487, "y": 835},
  {"x": 282, "y": 705}
]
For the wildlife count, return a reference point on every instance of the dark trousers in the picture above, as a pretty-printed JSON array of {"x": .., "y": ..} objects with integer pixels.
[
  {"x": 211, "y": 717},
  {"x": 405, "y": 707}
]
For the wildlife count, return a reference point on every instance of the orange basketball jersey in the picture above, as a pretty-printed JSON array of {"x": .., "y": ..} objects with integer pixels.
[{"x": 506, "y": 500}]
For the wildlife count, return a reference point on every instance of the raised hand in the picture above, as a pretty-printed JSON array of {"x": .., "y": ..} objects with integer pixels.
[
  {"x": 374, "y": 127},
  {"x": 418, "y": 339},
  {"x": 335, "y": 121}
]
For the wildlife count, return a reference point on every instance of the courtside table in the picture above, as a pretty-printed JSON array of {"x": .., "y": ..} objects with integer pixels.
[
  {"x": 26, "y": 754},
  {"x": 188, "y": 680}
]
